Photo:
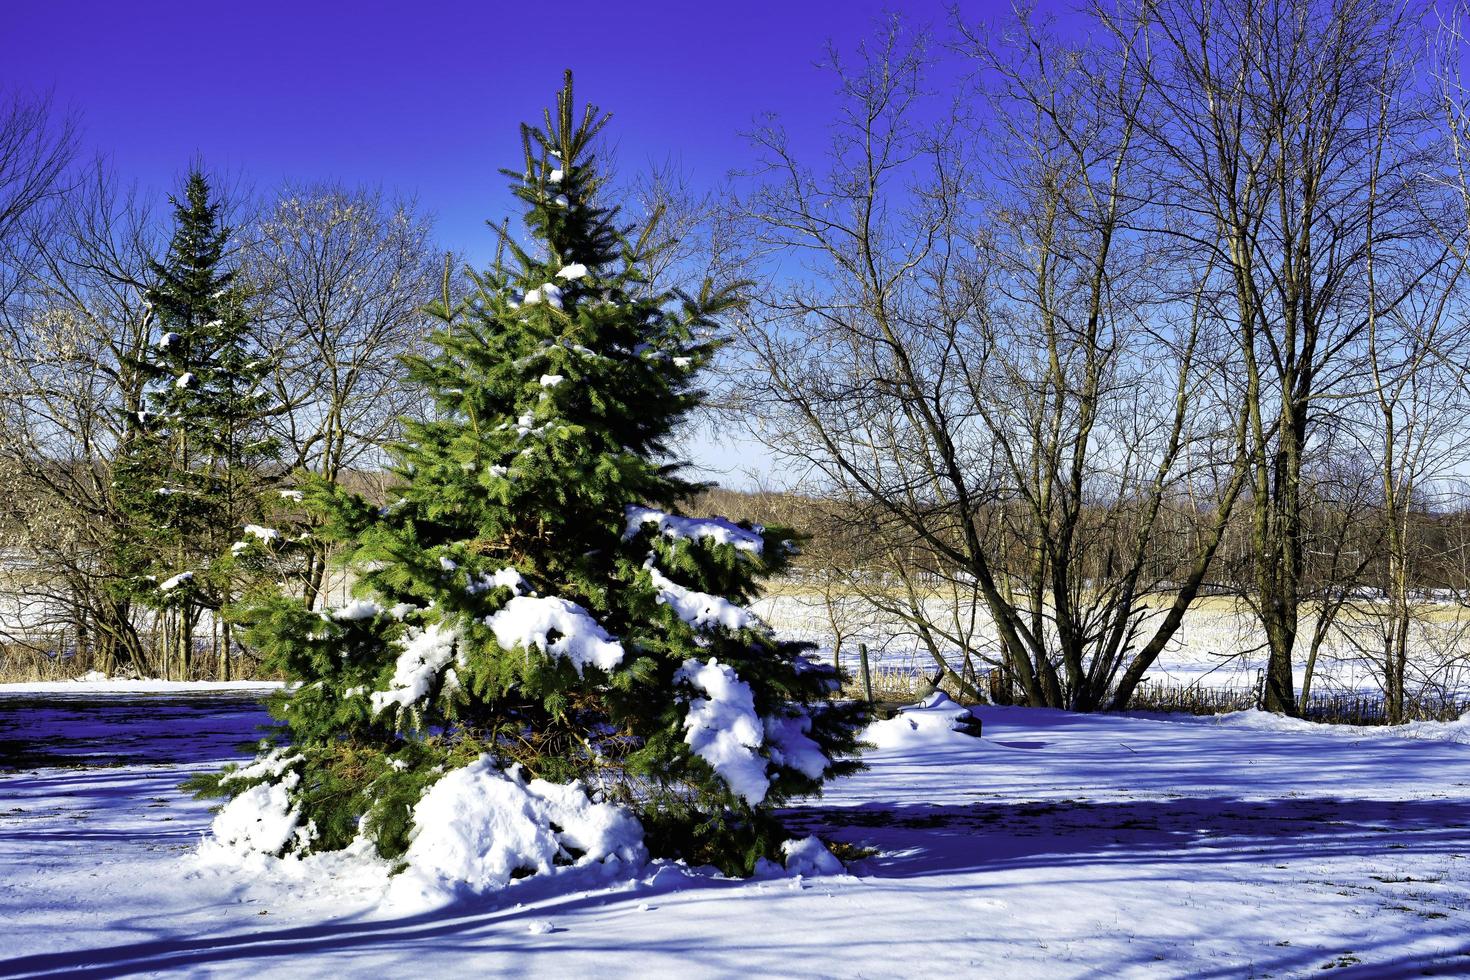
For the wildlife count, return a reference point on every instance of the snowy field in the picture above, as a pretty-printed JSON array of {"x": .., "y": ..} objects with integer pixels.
[
  {"x": 1055, "y": 846},
  {"x": 1219, "y": 645}
]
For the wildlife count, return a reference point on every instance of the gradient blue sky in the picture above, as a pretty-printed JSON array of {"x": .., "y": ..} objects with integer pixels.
[{"x": 425, "y": 98}]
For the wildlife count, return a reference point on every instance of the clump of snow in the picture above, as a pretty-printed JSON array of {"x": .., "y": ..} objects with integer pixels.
[
  {"x": 272, "y": 765},
  {"x": 526, "y": 426},
  {"x": 809, "y": 857},
  {"x": 185, "y": 380},
  {"x": 425, "y": 653},
  {"x": 554, "y": 177},
  {"x": 263, "y": 533},
  {"x": 700, "y": 608},
  {"x": 507, "y": 578},
  {"x": 168, "y": 585},
  {"x": 550, "y": 294},
  {"x": 723, "y": 728},
  {"x": 447, "y": 564},
  {"x": 715, "y": 529},
  {"x": 789, "y": 744},
  {"x": 259, "y": 822},
  {"x": 1439, "y": 731},
  {"x": 526, "y": 621},
  {"x": 479, "y": 827},
  {"x": 562, "y": 201},
  {"x": 296, "y": 495},
  {"x": 357, "y": 609},
  {"x": 937, "y": 718},
  {"x": 551, "y": 380},
  {"x": 575, "y": 270},
  {"x": 168, "y": 340}
]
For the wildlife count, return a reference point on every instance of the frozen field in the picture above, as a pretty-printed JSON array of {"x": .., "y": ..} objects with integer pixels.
[{"x": 1056, "y": 846}]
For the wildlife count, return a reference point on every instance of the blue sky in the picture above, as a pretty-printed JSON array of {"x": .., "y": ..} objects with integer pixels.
[{"x": 424, "y": 99}]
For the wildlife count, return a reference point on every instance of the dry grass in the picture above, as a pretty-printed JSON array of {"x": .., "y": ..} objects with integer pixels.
[{"x": 20, "y": 664}]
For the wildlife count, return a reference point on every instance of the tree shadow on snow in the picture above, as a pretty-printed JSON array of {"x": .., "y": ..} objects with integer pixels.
[
  {"x": 133, "y": 729},
  {"x": 477, "y": 927},
  {"x": 1184, "y": 838},
  {"x": 915, "y": 841},
  {"x": 919, "y": 839}
]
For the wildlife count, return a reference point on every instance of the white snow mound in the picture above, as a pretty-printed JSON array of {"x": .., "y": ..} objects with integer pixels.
[
  {"x": 937, "y": 718},
  {"x": 258, "y": 823},
  {"x": 478, "y": 827},
  {"x": 96, "y": 682},
  {"x": 809, "y": 857},
  {"x": 1433, "y": 731}
]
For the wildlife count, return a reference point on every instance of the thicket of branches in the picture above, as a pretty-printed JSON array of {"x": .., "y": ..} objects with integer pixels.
[
  {"x": 1166, "y": 303},
  {"x": 334, "y": 280}
]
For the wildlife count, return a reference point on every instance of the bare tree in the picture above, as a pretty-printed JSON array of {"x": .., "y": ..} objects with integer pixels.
[
  {"x": 70, "y": 394},
  {"x": 36, "y": 148},
  {"x": 1418, "y": 389},
  {"x": 1283, "y": 140},
  {"x": 342, "y": 276},
  {"x": 991, "y": 382}
]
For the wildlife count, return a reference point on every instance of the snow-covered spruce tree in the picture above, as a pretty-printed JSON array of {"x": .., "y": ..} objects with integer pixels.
[
  {"x": 191, "y": 478},
  {"x": 530, "y": 600}
]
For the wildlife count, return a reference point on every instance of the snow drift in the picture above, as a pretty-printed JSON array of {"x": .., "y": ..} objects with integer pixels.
[
  {"x": 479, "y": 828},
  {"x": 475, "y": 831}
]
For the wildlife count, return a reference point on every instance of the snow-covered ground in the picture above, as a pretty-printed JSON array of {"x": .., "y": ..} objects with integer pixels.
[{"x": 1055, "y": 846}]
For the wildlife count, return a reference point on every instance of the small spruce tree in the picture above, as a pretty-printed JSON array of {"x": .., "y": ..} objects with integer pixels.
[
  {"x": 530, "y": 590},
  {"x": 191, "y": 478}
]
